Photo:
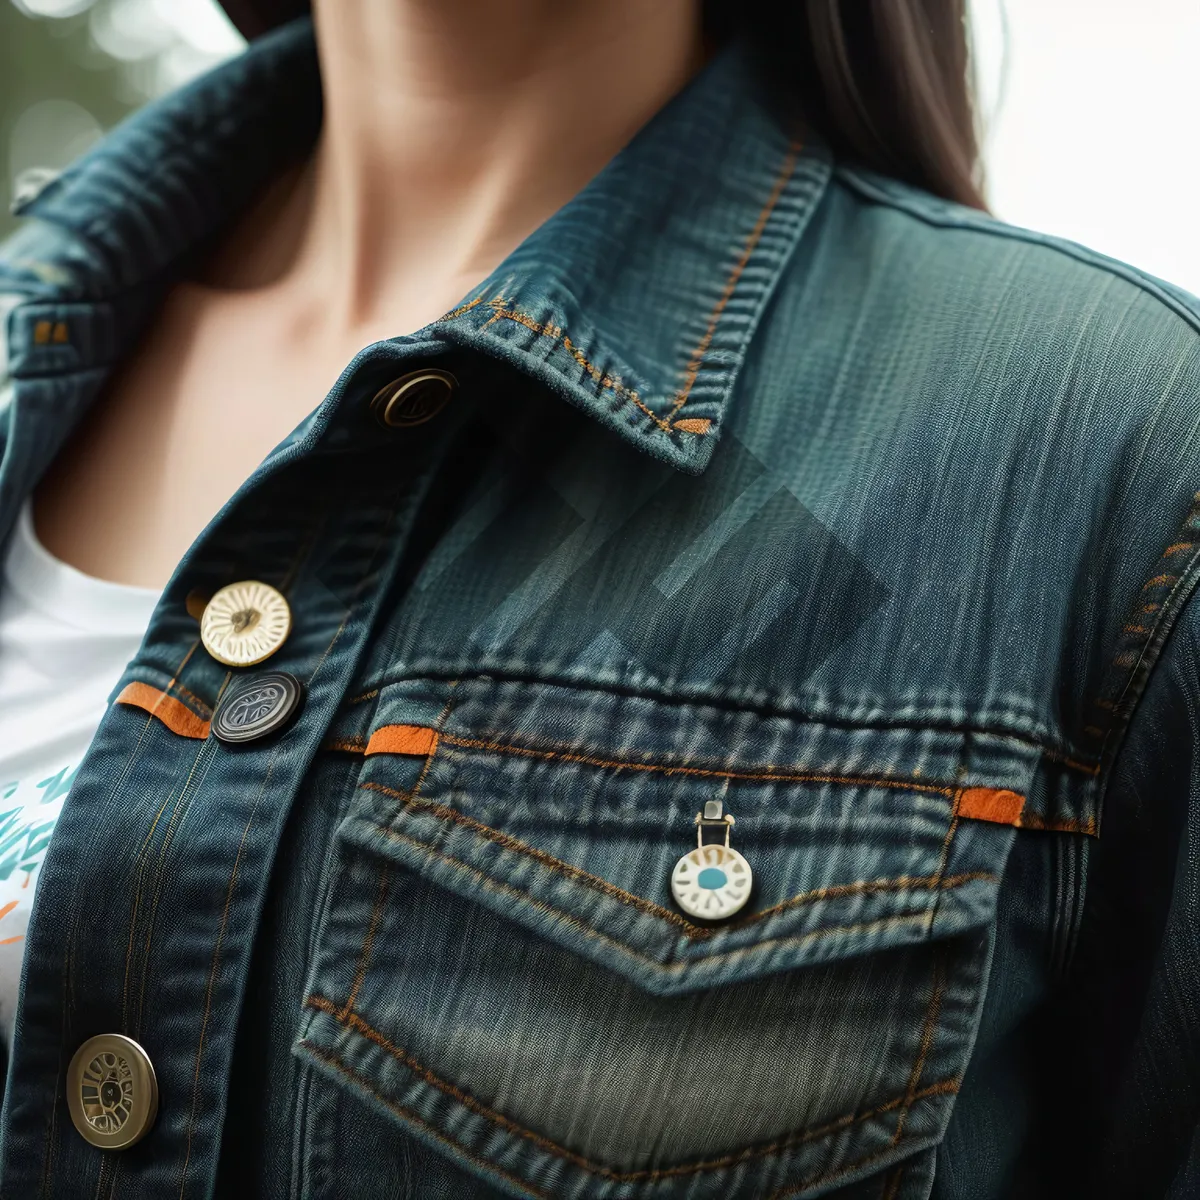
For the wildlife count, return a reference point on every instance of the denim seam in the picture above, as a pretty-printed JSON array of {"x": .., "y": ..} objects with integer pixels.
[
  {"x": 351, "y": 609},
  {"x": 971, "y": 221},
  {"x": 140, "y": 859},
  {"x": 937, "y": 988},
  {"x": 408, "y": 1115},
  {"x": 694, "y": 932},
  {"x": 504, "y": 310},
  {"x": 1136, "y": 654},
  {"x": 891, "y": 1183},
  {"x": 787, "y": 1193},
  {"x": 696, "y": 362},
  {"x": 364, "y": 954},
  {"x": 830, "y": 720},
  {"x": 68, "y": 974},
  {"x": 567, "y": 754},
  {"x": 491, "y": 883},
  {"x": 356, "y": 1025}
]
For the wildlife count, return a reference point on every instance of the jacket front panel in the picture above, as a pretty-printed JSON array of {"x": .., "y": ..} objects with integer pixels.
[{"x": 762, "y": 484}]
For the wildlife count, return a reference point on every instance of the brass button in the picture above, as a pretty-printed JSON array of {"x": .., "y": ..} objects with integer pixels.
[
  {"x": 413, "y": 399},
  {"x": 245, "y": 623},
  {"x": 112, "y": 1092}
]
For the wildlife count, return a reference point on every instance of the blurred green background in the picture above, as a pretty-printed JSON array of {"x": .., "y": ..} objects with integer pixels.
[{"x": 71, "y": 69}]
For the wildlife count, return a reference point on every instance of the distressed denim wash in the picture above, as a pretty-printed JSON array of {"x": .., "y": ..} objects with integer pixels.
[{"x": 766, "y": 481}]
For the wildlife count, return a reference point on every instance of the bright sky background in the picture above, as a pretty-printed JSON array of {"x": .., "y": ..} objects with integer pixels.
[{"x": 1095, "y": 138}]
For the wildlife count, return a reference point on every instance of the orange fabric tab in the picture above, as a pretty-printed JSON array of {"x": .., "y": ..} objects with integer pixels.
[
  {"x": 694, "y": 424},
  {"x": 991, "y": 804},
  {"x": 403, "y": 739},
  {"x": 174, "y": 714}
]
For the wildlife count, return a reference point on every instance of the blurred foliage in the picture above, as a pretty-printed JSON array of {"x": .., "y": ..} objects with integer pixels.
[
  {"x": 71, "y": 69},
  {"x": 43, "y": 59}
]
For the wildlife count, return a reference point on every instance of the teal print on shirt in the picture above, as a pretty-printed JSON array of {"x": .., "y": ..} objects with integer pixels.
[
  {"x": 22, "y": 843},
  {"x": 58, "y": 785}
]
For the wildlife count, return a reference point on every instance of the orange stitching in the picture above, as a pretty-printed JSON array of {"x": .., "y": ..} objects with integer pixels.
[
  {"x": 462, "y": 308},
  {"x": 588, "y": 760},
  {"x": 41, "y": 333},
  {"x": 350, "y": 746},
  {"x": 697, "y": 359},
  {"x": 408, "y": 1115},
  {"x": 1074, "y": 764},
  {"x": 1032, "y": 820},
  {"x": 1177, "y": 547},
  {"x": 142, "y": 849},
  {"x": 355, "y": 600},
  {"x": 212, "y": 974},
  {"x": 696, "y": 932},
  {"x": 693, "y": 425},
  {"x": 499, "y": 312},
  {"x": 357, "y": 1025},
  {"x": 927, "y": 1034},
  {"x": 495, "y": 885},
  {"x": 1160, "y": 579},
  {"x": 360, "y": 972},
  {"x": 945, "y": 858},
  {"x": 365, "y": 696},
  {"x": 786, "y": 1193},
  {"x": 176, "y": 686}
]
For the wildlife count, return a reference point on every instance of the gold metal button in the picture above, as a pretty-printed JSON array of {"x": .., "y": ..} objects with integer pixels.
[
  {"x": 112, "y": 1092},
  {"x": 413, "y": 399},
  {"x": 245, "y": 623}
]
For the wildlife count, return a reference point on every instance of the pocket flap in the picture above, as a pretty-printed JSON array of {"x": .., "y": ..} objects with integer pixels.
[{"x": 875, "y": 842}]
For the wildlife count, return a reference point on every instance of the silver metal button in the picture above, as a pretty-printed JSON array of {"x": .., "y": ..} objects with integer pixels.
[{"x": 112, "y": 1093}]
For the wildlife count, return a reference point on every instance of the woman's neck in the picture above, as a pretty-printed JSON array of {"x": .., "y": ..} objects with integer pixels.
[{"x": 452, "y": 129}]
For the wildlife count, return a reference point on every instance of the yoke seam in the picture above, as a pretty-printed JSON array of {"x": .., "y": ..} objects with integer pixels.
[{"x": 1064, "y": 756}]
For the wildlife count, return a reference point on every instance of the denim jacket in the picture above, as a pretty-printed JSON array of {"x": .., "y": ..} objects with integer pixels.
[{"x": 767, "y": 481}]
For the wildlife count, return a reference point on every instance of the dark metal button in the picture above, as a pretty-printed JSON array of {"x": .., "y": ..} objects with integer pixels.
[
  {"x": 257, "y": 706},
  {"x": 413, "y": 399},
  {"x": 112, "y": 1093}
]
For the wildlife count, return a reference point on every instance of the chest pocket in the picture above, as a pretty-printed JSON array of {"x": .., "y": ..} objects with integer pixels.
[{"x": 502, "y": 969}]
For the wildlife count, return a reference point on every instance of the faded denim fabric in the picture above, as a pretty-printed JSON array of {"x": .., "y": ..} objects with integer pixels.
[{"x": 767, "y": 481}]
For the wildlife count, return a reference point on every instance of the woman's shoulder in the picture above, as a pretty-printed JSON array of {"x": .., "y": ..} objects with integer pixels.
[{"x": 1019, "y": 282}]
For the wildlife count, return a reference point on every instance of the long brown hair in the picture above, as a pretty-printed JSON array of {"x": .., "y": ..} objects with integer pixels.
[{"x": 887, "y": 83}]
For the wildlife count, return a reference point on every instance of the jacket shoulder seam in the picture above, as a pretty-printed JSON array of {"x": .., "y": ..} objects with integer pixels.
[{"x": 944, "y": 215}]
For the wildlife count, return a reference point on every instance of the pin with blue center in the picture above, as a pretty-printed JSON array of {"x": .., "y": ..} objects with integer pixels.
[{"x": 713, "y": 881}]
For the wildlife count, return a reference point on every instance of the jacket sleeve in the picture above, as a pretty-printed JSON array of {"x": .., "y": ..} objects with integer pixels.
[{"x": 1123, "y": 1039}]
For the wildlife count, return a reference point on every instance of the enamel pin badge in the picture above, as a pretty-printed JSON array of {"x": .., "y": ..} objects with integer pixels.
[{"x": 712, "y": 882}]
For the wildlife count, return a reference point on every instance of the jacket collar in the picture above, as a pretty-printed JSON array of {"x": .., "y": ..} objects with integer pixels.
[{"x": 636, "y": 301}]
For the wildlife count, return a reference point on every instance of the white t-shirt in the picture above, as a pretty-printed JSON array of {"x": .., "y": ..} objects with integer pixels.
[{"x": 65, "y": 639}]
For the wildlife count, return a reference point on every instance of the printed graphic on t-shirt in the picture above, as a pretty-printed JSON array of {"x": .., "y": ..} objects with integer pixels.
[{"x": 28, "y": 810}]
